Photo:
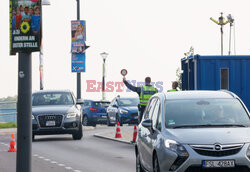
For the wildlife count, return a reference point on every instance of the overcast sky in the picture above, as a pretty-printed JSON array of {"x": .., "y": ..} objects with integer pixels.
[{"x": 147, "y": 37}]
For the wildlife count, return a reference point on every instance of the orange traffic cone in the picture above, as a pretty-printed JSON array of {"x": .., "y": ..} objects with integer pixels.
[
  {"x": 118, "y": 131},
  {"x": 134, "y": 134},
  {"x": 12, "y": 143}
]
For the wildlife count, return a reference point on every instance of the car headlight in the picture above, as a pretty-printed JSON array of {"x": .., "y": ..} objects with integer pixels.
[
  {"x": 123, "y": 111},
  {"x": 181, "y": 152},
  {"x": 71, "y": 115},
  {"x": 248, "y": 152},
  {"x": 32, "y": 117}
]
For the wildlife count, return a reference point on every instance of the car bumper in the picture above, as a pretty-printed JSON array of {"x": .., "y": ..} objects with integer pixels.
[
  {"x": 69, "y": 126},
  {"x": 194, "y": 161},
  {"x": 98, "y": 118}
]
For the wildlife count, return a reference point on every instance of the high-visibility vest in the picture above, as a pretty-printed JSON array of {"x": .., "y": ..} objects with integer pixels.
[
  {"x": 146, "y": 93},
  {"x": 172, "y": 90}
]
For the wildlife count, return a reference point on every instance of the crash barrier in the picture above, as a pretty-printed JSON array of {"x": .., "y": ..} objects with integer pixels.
[{"x": 8, "y": 111}]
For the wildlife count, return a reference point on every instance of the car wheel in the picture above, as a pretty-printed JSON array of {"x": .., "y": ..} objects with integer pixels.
[
  {"x": 156, "y": 167},
  {"x": 85, "y": 120},
  {"x": 78, "y": 135},
  {"x": 138, "y": 164},
  {"x": 33, "y": 137}
]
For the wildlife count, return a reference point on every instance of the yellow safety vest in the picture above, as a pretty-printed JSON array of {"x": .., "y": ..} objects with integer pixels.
[{"x": 146, "y": 93}]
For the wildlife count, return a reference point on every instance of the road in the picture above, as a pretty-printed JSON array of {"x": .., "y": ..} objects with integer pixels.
[{"x": 59, "y": 153}]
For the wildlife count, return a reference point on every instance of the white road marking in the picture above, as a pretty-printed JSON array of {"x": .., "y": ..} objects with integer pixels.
[
  {"x": 61, "y": 165},
  {"x": 53, "y": 162},
  {"x": 35, "y": 155},
  {"x": 46, "y": 159},
  {"x": 41, "y": 157},
  {"x": 77, "y": 171},
  {"x": 68, "y": 168}
]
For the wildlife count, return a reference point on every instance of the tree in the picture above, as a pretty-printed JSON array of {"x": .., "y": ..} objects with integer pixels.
[{"x": 179, "y": 77}]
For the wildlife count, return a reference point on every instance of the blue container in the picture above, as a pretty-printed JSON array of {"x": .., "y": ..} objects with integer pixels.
[{"x": 218, "y": 72}]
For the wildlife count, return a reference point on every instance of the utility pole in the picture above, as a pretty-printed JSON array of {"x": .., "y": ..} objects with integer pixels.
[
  {"x": 231, "y": 21},
  {"x": 220, "y": 22},
  {"x": 24, "y": 110},
  {"x": 104, "y": 57},
  {"x": 78, "y": 73}
]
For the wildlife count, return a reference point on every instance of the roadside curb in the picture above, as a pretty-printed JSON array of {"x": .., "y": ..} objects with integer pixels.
[{"x": 113, "y": 139}]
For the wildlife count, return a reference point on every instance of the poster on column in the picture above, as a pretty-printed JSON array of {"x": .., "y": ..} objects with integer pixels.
[
  {"x": 25, "y": 26},
  {"x": 78, "y": 35},
  {"x": 78, "y": 62}
]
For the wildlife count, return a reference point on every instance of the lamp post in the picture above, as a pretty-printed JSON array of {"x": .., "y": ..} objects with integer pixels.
[
  {"x": 44, "y": 2},
  {"x": 104, "y": 56}
]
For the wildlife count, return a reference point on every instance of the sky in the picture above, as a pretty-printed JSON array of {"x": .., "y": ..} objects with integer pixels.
[{"x": 146, "y": 37}]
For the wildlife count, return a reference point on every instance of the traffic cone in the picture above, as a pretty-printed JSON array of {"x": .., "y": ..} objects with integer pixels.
[
  {"x": 12, "y": 143},
  {"x": 134, "y": 134},
  {"x": 118, "y": 131}
]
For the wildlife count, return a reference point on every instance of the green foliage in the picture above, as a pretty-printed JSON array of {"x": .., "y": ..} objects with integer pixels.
[
  {"x": 8, "y": 125},
  {"x": 8, "y": 102},
  {"x": 178, "y": 77}
]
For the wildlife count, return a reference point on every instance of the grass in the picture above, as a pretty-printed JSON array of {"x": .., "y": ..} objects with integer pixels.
[{"x": 8, "y": 125}]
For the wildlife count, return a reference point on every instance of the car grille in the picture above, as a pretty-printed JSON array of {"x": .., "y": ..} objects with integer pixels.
[
  {"x": 43, "y": 118},
  {"x": 235, "y": 169},
  {"x": 221, "y": 150}
]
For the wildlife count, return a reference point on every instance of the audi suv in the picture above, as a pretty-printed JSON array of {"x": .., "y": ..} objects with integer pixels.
[{"x": 56, "y": 112}]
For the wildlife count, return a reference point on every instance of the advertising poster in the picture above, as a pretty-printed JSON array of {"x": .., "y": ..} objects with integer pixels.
[
  {"x": 25, "y": 25},
  {"x": 78, "y": 35},
  {"x": 78, "y": 62}
]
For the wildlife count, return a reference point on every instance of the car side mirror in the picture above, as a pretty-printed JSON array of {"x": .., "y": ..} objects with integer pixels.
[
  {"x": 147, "y": 124},
  {"x": 79, "y": 101}
]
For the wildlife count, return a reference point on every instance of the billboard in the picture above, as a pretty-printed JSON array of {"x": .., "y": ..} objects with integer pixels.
[
  {"x": 78, "y": 62},
  {"x": 25, "y": 25},
  {"x": 78, "y": 36}
]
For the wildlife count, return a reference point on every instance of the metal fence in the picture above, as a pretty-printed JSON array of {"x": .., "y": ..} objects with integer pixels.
[{"x": 8, "y": 111}]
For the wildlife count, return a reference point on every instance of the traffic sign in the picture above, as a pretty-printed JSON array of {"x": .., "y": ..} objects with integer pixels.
[{"x": 124, "y": 72}]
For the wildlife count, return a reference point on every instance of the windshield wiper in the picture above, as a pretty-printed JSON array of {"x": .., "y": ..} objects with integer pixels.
[{"x": 210, "y": 125}]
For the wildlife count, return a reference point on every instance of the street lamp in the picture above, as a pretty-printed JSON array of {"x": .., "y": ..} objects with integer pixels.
[
  {"x": 44, "y": 2},
  {"x": 104, "y": 56}
]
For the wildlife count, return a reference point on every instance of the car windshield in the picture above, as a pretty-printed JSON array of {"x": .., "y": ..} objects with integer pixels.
[
  {"x": 42, "y": 99},
  {"x": 205, "y": 113},
  {"x": 129, "y": 102},
  {"x": 101, "y": 104}
]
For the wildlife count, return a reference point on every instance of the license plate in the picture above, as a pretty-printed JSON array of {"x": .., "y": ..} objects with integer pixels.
[
  {"x": 218, "y": 164},
  {"x": 136, "y": 117},
  {"x": 50, "y": 123},
  {"x": 104, "y": 116}
]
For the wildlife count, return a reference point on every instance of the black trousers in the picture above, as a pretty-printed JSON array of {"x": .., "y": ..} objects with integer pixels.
[{"x": 141, "y": 109}]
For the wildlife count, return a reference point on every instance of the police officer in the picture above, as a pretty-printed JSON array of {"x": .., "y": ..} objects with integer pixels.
[
  {"x": 174, "y": 86},
  {"x": 144, "y": 93}
]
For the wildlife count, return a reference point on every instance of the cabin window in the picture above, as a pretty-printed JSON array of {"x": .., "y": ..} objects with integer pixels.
[{"x": 224, "y": 79}]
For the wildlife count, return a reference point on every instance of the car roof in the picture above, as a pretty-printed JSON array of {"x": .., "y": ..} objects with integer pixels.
[
  {"x": 52, "y": 91},
  {"x": 195, "y": 94}
]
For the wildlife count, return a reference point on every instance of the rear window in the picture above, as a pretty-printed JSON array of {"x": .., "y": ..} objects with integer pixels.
[
  {"x": 101, "y": 104},
  {"x": 205, "y": 112}
]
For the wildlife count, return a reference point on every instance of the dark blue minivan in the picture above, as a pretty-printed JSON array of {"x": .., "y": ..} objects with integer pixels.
[{"x": 94, "y": 112}]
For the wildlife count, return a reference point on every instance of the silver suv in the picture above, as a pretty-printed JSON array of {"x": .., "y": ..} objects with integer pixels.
[{"x": 189, "y": 131}]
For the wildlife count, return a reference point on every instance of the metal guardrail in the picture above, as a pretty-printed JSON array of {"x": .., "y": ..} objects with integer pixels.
[{"x": 7, "y": 114}]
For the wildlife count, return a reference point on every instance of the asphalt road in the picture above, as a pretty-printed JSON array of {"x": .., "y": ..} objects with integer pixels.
[{"x": 59, "y": 153}]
